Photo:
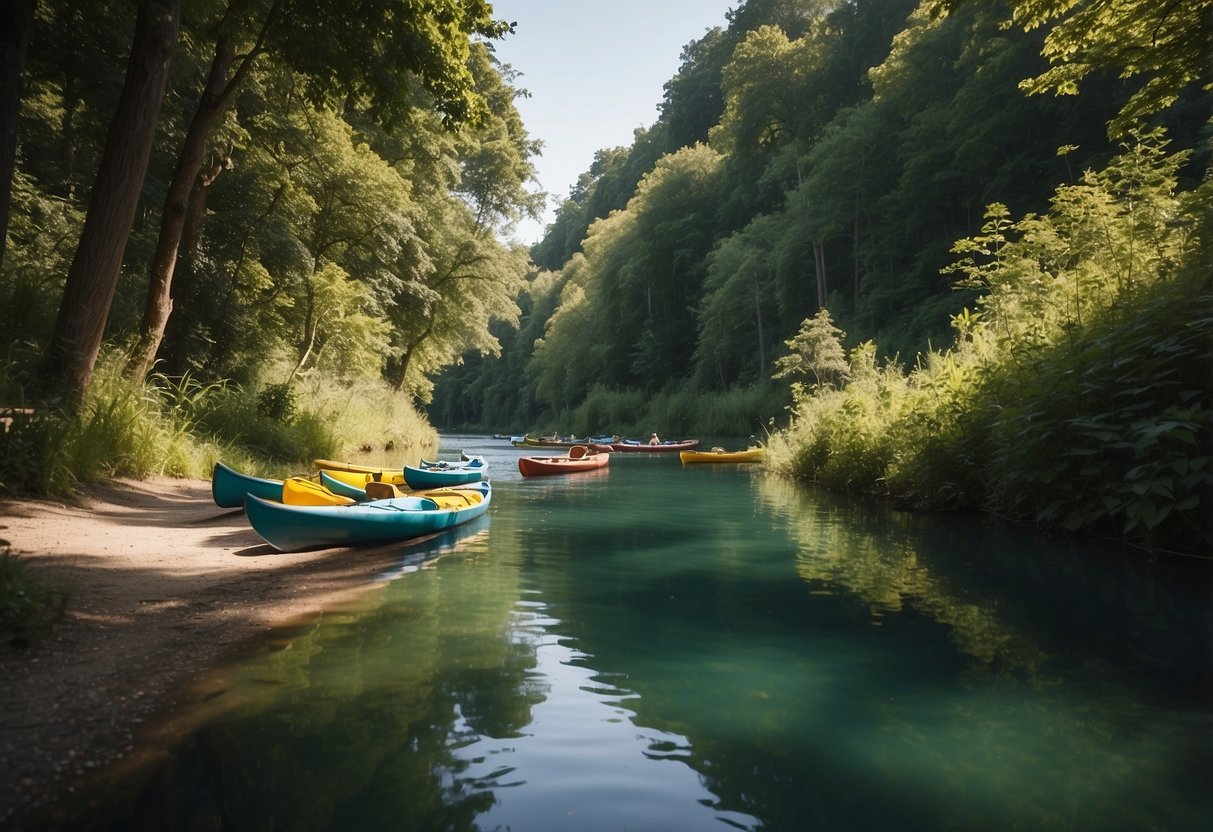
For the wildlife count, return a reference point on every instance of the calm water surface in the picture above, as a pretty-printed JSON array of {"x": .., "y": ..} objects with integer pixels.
[{"x": 660, "y": 647}]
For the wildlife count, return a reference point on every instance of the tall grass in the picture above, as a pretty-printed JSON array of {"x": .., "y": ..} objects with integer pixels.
[{"x": 179, "y": 427}]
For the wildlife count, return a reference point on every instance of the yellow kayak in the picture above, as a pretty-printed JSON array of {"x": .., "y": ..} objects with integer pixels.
[
  {"x": 721, "y": 455},
  {"x": 298, "y": 491},
  {"x": 360, "y": 475}
]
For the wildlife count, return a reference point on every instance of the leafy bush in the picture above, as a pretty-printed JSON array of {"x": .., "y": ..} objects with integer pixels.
[
  {"x": 277, "y": 401},
  {"x": 1079, "y": 394}
]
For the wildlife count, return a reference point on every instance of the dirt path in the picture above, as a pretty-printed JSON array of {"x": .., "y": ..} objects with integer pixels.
[{"x": 164, "y": 583}]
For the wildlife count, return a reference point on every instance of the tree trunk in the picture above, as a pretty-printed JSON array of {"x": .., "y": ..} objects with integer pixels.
[
  {"x": 405, "y": 358},
  {"x": 855, "y": 257},
  {"x": 176, "y": 206},
  {"x": 191, "y": 234},
  {"x": 311, "y": 326},
  {"x": 16, "y": 23},
  {"x": 819, "y": 267},
  {"x": 762, "y": 354},
  {"x": 94, "y": 272}
]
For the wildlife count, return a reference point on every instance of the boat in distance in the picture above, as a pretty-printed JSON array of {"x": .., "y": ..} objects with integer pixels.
[
  {"x": 721, "y": 455},
  {"x": 554, "y": 441},
  {"x": 635, "y": 446},
  {"x": 293, "y": 528},
  {"x": 579, "y": 458}
]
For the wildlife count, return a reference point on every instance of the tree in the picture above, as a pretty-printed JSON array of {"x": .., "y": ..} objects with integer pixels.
[
  {"x": 816, "y": 350},
  {"x": 93, "y": 276},
  {"x": 738, "y": 291},
  {"x": 353, "y": 48},
  {"x": 222, "y": 82},
  {"x": 16, "y": 21},
  {"x": 1166, "y": 44}
]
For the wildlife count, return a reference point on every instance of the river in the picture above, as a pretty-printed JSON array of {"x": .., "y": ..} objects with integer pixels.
[{"x": 655, "y": 646}]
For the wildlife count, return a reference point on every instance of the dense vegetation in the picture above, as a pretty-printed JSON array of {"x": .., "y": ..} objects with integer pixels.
[
  {"x": 231, "y": 226},
  {"x": 794, "y": 213}
]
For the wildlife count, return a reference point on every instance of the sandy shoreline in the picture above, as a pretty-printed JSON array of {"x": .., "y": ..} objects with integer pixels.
[{"x": 164, "y": 585}]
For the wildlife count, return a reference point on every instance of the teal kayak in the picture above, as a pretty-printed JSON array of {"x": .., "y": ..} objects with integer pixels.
[
  {"x": 291, "y": 528},
  {"x": 229, "y": 486},
  {"x": 423, "y": 478},
  {"x": 341, "y": 487},
  {"x": 465, "y": 461}
]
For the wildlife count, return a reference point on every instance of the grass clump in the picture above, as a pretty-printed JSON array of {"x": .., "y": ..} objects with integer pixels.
[
  {"x": 29, "y": 605},
  {"x": 179, "y": 427}
]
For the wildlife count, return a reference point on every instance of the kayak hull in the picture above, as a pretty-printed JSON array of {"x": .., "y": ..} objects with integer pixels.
[
  {"x": 543, "y": 466},
  {"x": 646, "y": 448},
  {"x": 422, "y": 478},
  {"x": 229, "y": 486},
  {"x": 358, "y": 479},
  {"x": 294, "y": 528},
  {"x": 748, "y": 455}
]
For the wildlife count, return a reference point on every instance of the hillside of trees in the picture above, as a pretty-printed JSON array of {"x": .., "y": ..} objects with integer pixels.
[
  {"x": 841, "y": 194},
  {"x": 808, "y": 155}
]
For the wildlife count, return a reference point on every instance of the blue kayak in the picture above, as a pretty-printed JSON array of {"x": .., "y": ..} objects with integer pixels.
[
  {"x": 229, "y": 486},
  {"x": 422, "y": 478},
  {"x": 291, "y": 528}
]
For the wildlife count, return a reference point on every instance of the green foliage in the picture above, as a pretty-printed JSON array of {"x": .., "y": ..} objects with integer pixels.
[
  {"x": 677, "y": 412},
  {"x": 317, "y": 229},
  {"x": 1079, "y": 396},
  {"x": 1165, "y": 43},
  {"x": 33, "y": 454},
  {"x": 178, "y": 427},
  {"x": 29, "y": 603},
  {"x": 41, "y": 233},
  {"x": 372, "y": 49},
  {"x": 278, "y": 402},
  {"x": 816, "y": 351}
]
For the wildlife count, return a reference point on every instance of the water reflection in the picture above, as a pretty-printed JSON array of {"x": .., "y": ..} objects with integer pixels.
[
  {"x": 684, "y": 648},
  {"x": 1083, "y": 698},
  {"x": 582, "y": 751}
]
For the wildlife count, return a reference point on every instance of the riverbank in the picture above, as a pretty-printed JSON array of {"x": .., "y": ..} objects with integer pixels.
[{"x": 163, "y": 585}]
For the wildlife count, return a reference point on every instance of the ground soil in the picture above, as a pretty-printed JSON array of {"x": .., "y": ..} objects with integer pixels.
[{"x": 163, "y": 585}]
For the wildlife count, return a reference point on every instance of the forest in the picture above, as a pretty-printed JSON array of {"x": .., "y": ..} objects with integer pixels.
[
  {"x": 255, "y": 228},
  {"x": 955, "y": 252}
]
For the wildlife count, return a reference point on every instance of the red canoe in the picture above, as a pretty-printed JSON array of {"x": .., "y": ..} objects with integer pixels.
[
  {"x": 579, "y": 458},
  {"x": 646, "y": 448}
]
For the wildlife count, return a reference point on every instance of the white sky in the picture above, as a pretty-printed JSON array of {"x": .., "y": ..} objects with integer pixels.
[{"x": 595, "y": 70}]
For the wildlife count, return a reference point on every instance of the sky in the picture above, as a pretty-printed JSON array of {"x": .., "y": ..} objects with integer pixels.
[{"x": 595, "y": 71}]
